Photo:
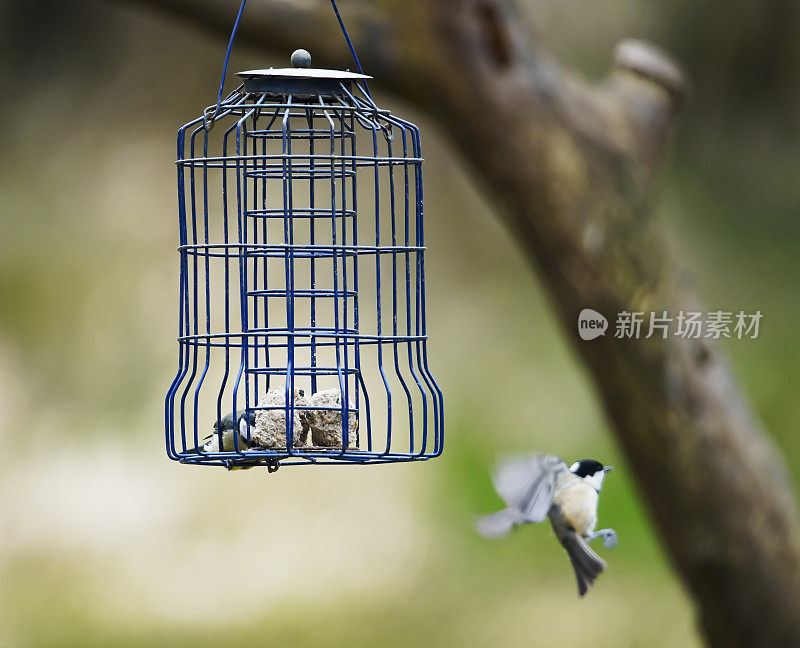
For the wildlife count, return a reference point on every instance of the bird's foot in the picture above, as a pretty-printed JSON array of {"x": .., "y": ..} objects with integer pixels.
[{"x": 609, "y": 537}]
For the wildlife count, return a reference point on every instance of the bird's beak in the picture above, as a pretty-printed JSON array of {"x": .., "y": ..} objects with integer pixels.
[{"x": 607, "y": 468}]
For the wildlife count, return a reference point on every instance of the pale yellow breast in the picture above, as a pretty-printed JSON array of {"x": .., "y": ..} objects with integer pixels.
[{"x": 579, "y": 507}]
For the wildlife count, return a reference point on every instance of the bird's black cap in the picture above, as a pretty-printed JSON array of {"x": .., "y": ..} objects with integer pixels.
[{"x": 587, "y": 467}]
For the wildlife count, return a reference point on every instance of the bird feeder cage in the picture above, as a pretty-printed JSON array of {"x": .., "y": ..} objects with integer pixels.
[{"x": 302, "y": 330}]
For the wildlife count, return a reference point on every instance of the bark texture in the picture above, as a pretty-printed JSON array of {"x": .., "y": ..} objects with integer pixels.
[{"x": 571, "y": 168}]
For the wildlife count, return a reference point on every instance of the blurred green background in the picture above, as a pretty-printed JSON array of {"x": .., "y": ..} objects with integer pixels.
[{"x": 104, "y": 541}]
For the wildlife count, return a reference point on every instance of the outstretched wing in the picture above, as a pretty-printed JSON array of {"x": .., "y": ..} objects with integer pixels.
[{"x": 527, "y": 484}]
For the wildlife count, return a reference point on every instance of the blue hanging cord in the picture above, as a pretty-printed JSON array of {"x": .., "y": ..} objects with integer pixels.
[
  {"x": 233, "y": 37},
  {"x": 227, "y": 58},
  {"x": 350, "y": 45}
]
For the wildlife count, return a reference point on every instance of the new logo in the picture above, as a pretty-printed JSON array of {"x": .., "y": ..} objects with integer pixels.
[{"x": 591, "y": 324}]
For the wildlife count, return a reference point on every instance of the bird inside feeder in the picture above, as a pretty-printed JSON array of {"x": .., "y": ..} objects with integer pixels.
[{"x": 302, "y": 328}]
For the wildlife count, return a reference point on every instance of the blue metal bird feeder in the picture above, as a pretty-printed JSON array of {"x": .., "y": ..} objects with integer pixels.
[{"x": 302, "y": 330}]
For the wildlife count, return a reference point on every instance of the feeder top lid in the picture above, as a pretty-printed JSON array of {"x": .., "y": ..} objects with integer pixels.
[
  {"x": 301, "y": 73},
  {"x": 301, "y": 69}
]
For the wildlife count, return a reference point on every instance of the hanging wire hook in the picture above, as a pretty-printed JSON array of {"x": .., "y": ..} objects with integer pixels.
[
  {"x": 208, "y": 123},
  {"x": 350, "y": 45},
  {"x": 208, "y": 119}
]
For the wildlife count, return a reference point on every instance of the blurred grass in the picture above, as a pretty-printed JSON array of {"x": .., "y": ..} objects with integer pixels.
[{"x": 106, "y": 543}]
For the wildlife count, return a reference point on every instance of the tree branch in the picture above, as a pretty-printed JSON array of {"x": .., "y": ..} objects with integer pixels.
[{"x": 571, "y": 166}]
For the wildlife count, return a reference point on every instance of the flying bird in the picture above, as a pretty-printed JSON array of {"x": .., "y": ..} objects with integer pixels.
[{"x": 540, "y": 486}]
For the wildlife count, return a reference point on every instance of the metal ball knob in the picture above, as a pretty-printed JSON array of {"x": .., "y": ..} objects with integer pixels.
[{"x": 301, "y": 58}]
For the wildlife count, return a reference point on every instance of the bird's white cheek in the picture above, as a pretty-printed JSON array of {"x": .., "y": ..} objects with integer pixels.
[{"x": 596, "y": 480}]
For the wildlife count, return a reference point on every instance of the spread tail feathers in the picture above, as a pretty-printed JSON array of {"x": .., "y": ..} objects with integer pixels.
[
  {"x": 498, "y": 525},
  {"x": 586, "y": 563}
]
